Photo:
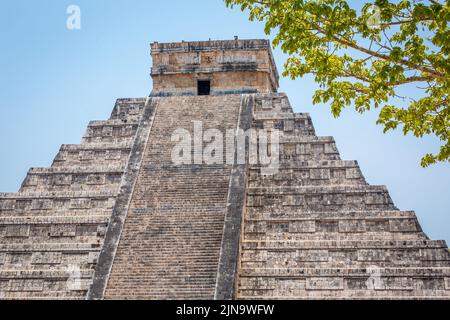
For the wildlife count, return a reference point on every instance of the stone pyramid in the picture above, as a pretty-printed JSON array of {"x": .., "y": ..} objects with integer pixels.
[{"x": 115, "y": 218}]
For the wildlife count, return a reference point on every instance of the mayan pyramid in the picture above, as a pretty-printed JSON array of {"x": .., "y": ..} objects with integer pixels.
[{"x": 115, "y": 218}]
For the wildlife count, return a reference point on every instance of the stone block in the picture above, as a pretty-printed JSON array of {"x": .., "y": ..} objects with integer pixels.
[
  {"x": 327, "y": 226},
  {"x": 403, "y": 225},
  {"x": 23, "y": 204},
  {"x": 377, "y": 225},
  {"x": 93, "y": 257},
  {"x": 439, "y": 254},
  {"x": 352, "y": 173},
  {"x": 80, "y": 203},
  {"x": 255, "y": 201},
  {"x": 398, "y": 283},
  {"x": 277, "y": 227},
  {"x": 343, "y": 255},
  {"x": 113, "y": 155},
  {"x": 256, "y": 227},
  {"x": 46, "y": 258},
  {"x": 338, "y": 174},
  {"x": 430, "y": 284},
  {"x": 288, "y": 149},
  {"x": 372, "y": 255},
  {"x": 62, "y": 180},
  {"x": 57, "y": 231},
  {"x": 32, "y": 180},
  {"x": 282, "y": 259},
  {"x": 317, "y": 149},
  {"x": 17, "y": 231},
  {"x": 7, "y": 204},
  {"x": 288, "y": 125},
  {"x": 330, "y": 148},
  {"x": 41, "y": 204},
  {"x": 18, "y": 259},
  {"x": 356, "y": 283},
  {"x": 29, "y": 285},
  {"x": 267, "y": 104},
  {"x": 260, "y": 282},
  {"x": 293, "y": 200},
  {"x": 87, "y": 155},
  {"x": 320, "y": 174},
  {"x": 325, "y": 283},
  {"x": 303, "y": 148},
  {"x": 107, "y": 131},
  {"x": 313, "y": 255},
  {"x": 308, "y": 226},
  {"x": 375, "y": 198},
  {"x": 352, "y": 226},
  {"x": 96, "y": 179},
  {"x": 289, "y": 287}
]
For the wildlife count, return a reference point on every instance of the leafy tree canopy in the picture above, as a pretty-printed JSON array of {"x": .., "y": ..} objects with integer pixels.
[{"x": 361, "y": 57}]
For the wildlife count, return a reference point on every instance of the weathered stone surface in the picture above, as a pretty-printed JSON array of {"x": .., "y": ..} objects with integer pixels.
[
  {"x": 172, "y": 236},
  {"x": 317, "y": 230},
  {"x": 52, "y": 230},
  {"x": 115, "y": 218}
]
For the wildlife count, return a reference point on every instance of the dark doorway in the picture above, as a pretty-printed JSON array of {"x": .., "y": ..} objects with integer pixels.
[{"x": 204, "y": 87}]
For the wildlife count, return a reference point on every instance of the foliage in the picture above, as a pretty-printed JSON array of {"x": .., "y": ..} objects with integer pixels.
[{"x": 363, "y": 58}]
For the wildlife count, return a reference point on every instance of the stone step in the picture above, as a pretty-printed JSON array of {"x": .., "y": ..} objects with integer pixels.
[
  {"x": 318, "y": 198},
  {"x": 347, "y": 286},
  {"x": 113, "y": 129},
  {"x": 96, "y": 146},
  {"x": 57, "y": 195},
  {"x": 174, "y": 231},
  {"x": 326, "y": 244},
  {"x": 344, "y": 223},
  {"x": 28, "y": 233},
  {"x": 128, "y": 109},
  {"x": 25, "y": 211},
  {"x": 263, "y": 214},
  {"x": 346, "y": 295},
  {"x": 300, "y": 148},
  {"x": 48, "y": 201},
  {"x": 335, "y": 236},
  {"x": 285, "y": 122},
  {"x": 46, "y": 296},
  {"x": 272, "y": 102},
  {"x": 66, "y": 179},
  {"x": 58, "y": 220},
  {"x": 78, "y": 163},
  {"x": 50, "y": 247},
  {"x": 345, "y": 272},
  {"x": 91, "y": 154},
  {"x": 322, "y": 173},
  {"x": 43, "y": 274},
  {"x": 54, "y": 220},
  {"x": 343, "y": 257},
  {"x": 112, "y": 123},
  {"x": 108, "y": 139}
]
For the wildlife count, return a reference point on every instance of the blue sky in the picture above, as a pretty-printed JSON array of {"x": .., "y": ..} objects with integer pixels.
[{"x": 53, "y": 81}]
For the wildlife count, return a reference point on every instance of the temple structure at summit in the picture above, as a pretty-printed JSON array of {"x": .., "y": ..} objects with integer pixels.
[{"x": 115, "y": 218}]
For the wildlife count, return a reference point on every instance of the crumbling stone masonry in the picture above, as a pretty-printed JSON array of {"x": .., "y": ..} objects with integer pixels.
[{"x": 115, "y": 218}]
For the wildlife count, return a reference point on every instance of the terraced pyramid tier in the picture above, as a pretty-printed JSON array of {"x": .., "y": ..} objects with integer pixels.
[
  {"x": 171, "y": 239},
  {"x": 52, "y": 230},
  {"x": 317, "y": 230}
]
